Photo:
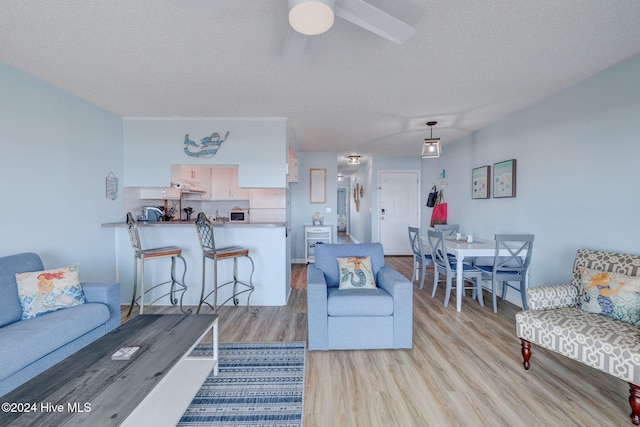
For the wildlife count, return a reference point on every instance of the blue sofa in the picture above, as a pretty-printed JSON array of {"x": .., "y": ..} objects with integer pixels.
[
  {"x": 29, "y": 347},
  {"x": 360, "y": 318}
]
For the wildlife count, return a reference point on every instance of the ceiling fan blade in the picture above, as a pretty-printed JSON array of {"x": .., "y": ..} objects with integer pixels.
[
  {"x": 294, "y": 47},
  {"x": 370, "y": 18}
]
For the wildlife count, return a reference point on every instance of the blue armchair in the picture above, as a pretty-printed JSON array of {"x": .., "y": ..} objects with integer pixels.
[{"x": 357, "y": 319}]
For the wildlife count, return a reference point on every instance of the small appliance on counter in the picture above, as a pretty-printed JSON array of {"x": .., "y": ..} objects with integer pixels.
[
  {"x": 238, "y": 214},
  {"x": 188, "y": 211},
  {"x": 152, "y": 214}
]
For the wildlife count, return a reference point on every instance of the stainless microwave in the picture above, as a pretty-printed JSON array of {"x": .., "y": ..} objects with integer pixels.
[{"x": 239, "y": 215}]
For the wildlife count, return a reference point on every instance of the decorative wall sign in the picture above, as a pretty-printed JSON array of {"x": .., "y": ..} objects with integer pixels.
[
  {"x": 207, "y": 148},
  {"x": 111, "y": 185},
  {"x": 480, "y": 182},
  {"x": 358, "y": 191},
  {"x": 317, "y": 185},
  {"x": 504, "y": 179}
]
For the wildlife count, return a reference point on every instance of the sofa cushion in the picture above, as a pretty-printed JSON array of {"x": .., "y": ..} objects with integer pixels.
[
  {"x": 359, "y": 302},
  {"x": 356, "y": 273},
  {"x": 50, "y": 290},
  {"x": 25, "y": 341},
  {"x": 597, "y": 341},
  {"x": 10, "y": 308},
  {"x": 612, "y": 294}
]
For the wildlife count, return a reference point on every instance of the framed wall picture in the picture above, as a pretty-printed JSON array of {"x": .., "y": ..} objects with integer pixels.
[
  {"x": 317, "y": 185},
  {"x": 504, "y": 179},
  {"x": 480, "y": 182}
]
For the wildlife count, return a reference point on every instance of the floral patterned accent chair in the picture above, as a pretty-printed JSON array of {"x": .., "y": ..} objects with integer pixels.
[{"x": 594, "y": 320}]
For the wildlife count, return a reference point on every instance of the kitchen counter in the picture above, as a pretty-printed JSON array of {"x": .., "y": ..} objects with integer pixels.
[
  {"x": 192, "y": 224},
  {"x": 268, "y": 243}
]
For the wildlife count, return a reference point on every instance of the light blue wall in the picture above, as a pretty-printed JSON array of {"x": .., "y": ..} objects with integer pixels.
[
  {"x": 258, "y": 146},
  {"x": 577, "y": 173},
  {"x": 360, "y": 220},
  {"x": 301, "y": 209},
  {"x": 57, "y": 151}
]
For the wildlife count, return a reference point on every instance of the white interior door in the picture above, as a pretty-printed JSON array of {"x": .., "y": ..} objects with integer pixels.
[{"x": 399, "y": 201}]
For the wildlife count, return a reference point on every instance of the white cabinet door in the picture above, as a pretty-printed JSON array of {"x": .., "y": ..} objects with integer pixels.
[
  {"x": 220, "y": 183},
  {"x": 224, "y": 184},
  {"x": 238, "y": 193}
]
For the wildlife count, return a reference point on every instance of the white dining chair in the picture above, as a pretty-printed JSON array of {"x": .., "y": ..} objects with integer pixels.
[
  {"x": 444, "y": 264},
  {"x": 420, "y": 259},
  {"x": 509, "y": 268},
  {"x": 447, "y": 229}
]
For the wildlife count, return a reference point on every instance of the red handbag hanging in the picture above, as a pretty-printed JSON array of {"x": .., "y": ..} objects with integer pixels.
[{"x": 439, "y": 213}]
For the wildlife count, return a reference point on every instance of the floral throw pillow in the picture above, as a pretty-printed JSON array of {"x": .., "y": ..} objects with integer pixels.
[
  {"x": 50, "y": 290},
  {"x": 613, "y": 295},
  {"x": 356, "y": 273}
]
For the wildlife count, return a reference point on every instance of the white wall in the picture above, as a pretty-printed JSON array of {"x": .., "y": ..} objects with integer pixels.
[
  {"x": 57, "y": 151},
  {"x": 577, "y": 173},
  {"x": 257, "y": 146}
]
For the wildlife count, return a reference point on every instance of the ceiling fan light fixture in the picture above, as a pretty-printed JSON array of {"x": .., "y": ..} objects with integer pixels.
[
  {"x": 431, "y": 148},
  {"x": 311, "y": 17}
]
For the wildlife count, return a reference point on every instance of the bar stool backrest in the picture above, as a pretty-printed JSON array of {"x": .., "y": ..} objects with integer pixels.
[
  {"x": 132, "y": 227},
  {"x": 205, "y": 233}
]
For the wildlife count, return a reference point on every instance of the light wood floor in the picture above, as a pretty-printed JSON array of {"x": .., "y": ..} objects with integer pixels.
[{"x": 464, "y": 369}]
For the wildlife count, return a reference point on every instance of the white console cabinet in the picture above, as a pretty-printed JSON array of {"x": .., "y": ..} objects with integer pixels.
[{"x": 316, "y": 235}]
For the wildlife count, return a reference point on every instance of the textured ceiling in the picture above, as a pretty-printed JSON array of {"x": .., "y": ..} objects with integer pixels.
[{"x": 469, "y": 64}]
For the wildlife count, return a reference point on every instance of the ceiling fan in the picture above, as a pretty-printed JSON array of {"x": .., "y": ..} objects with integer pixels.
[{"x": 313, "y": 17}]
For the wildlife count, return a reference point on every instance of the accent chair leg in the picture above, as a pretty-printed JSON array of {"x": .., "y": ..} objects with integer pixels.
[
  {"x": 634, "y": 401},
  {"x": 526, "y": 353}
]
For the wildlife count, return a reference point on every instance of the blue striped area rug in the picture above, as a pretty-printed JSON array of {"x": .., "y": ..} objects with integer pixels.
[{"x": 258, "y": 384}]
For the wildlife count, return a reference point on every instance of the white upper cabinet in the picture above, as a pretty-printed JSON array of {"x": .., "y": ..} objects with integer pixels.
[{"x": 224, "y": 184}]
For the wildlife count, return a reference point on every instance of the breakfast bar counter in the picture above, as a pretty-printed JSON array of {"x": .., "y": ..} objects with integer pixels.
[{"x": 268, "y": 244}]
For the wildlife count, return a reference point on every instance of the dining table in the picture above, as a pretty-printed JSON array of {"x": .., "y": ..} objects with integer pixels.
[{"x": 462, "y": 249}]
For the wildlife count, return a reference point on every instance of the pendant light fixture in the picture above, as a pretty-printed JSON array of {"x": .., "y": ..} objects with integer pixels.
[
  {"x": 353, "y": 160},
  {"x": 431, "y": 148}
]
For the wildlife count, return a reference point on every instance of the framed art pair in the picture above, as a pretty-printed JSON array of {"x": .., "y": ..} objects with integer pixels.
[{"x": 503, "y": 182}]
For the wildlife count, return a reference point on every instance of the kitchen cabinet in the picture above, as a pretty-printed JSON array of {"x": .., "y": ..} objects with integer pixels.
[
  {"x": 292, "y": 170},
  {"x": 315, "y": 235},
  {"x": 193, "y": 178},
  {"x": 292, "y": 165},
  {"x": 224, "y": 184}
]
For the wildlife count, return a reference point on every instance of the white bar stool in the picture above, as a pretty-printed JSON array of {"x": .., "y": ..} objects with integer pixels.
[
  {"x": 209, "y": 250},
  {"x": 143, "y": 255}
]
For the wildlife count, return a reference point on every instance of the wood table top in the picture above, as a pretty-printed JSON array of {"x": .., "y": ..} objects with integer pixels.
[{"x": 88, "y": 388}]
